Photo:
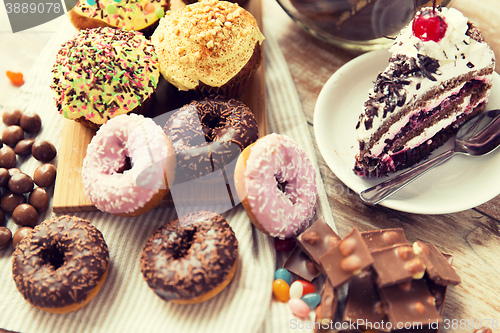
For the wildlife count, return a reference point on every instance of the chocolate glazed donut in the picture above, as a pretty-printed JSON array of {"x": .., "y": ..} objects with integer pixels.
[
  {"x": 61, "y": 265},
  {"x": 208, "y": 134},
  {"x": 192, "y": 262}
]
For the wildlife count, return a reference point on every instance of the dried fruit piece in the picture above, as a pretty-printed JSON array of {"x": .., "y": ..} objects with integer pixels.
[{"x": 16, "y": 78}]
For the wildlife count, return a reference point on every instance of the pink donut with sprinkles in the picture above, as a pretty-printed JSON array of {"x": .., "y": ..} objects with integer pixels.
[
  {"x": 276, "y": 183},
  {"x": 128, "y": 166}
]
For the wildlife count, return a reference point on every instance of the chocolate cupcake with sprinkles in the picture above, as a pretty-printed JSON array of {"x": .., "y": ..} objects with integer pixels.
[{"x": 102, "y": 73}]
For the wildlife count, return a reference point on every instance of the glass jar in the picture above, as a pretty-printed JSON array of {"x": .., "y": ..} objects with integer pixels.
[{"x": 361, "y": 25}]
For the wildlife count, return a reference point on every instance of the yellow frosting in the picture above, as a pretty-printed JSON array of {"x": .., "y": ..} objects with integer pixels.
[
  {"x": 209, "y": 41},
  {"x": 104, "y": 72},
  {"x": 126, "y": 14}
]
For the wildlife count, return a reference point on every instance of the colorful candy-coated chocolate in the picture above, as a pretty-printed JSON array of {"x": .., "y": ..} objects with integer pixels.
[
  {"x": 285, "y": 245},
  {"x": 300, "y": 288},
  {"x": 111, "y": 9},
  {"x": 150, "y": 8},
  {"x": 160, "y": 12},
  {"x": 312, "y": 299},
  {"x": 299, "y": 307},
  {"x": 283, "y": 274},
  {"x": 281, "y": 290}
]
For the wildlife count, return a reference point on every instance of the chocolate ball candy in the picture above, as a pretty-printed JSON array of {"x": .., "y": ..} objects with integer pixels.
[
  {"x": 43, "y": 150},
  {"x": 13, "y": 171},
  {"x": 12, "y": 117},
  {"x": 19, "y": 235},
  {"x": 45, "y": 175},
  {"x": 7, "y": 157},
  {"x": 25, "y": 215},
  {"x": 21, "y": 183},
  {"x": 5, "y": 237},
  {"x": 39, "y": 199},
  {"x": 23, "y": 147},
  {"x": 30, "y": 122},
  {"x": 11, "y": 200},
  {"x": 2, "y": 217},
  {"x": 12, "y": 135},
  {"x": 4, "y": 177}
]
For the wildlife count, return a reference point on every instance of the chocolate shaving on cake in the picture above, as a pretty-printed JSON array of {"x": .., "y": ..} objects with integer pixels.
[{"x": 389, "y": 86}]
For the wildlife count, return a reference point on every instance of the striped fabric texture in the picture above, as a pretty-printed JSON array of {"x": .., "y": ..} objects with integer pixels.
[{"x": 125, "y": 302}]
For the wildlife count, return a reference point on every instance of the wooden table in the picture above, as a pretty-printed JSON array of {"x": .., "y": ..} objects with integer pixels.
[{"x": 472, "y": 236}]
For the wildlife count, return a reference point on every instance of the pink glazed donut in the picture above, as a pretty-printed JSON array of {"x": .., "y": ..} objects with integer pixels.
[
  {"x": 128, "y": 166},
  {"x": 276, "y": 183}
]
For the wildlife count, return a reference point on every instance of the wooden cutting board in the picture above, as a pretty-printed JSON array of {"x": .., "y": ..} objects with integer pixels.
[{"x": 68, "y": 192}]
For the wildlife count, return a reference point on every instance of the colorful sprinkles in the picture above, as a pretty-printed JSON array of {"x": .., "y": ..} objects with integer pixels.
[
  {"x": 104, "y": 72},
  {"x": 124, "y": 13}
]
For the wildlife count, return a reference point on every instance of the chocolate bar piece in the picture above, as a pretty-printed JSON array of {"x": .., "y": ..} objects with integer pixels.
[
  {"x": 409, "y": 302},
  {"x": 318, "y": 239},
  {"x": 346, "y": 259},
  {"x": 363, "y": 303},
  {"x": 396, "y": 265},
  {"x": 380, "y": 239},
  {"x": 325, "y": 311},
  {"x": 299, "y": 263},
  {"x": 437, "y": 290},
  {"x": 438, "y": 267}
]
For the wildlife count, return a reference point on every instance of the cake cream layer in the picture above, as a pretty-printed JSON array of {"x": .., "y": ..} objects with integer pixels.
[
  {"x": 378, "y": 146},
  {"x": 426, "y": 137}
]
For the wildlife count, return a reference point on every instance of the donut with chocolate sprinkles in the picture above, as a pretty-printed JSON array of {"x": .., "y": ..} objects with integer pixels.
[
  {"x": 61, "y": 265},
  {"x": 190, "y": 260},
  {"x": 208, "y": 134}
]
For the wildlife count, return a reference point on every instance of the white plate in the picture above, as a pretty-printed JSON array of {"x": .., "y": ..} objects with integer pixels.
[{"x": 461, "y": 183}]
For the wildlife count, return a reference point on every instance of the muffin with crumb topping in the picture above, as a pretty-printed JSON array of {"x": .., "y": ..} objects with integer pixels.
[{"x": 209, "y": 47}]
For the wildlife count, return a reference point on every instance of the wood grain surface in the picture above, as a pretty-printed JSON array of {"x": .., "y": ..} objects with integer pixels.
[
  {"x": 68, "y": 192},
  {"x": 471, "y": 236}
]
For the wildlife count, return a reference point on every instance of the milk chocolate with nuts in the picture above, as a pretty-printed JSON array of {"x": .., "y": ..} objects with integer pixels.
[
  {"x": 379, "y": 239},
  {"x": 397, "y": 265},
  {"x": 363, "y": 301},
  {"x": 300, "y": 264},
  {"x": 318, "y": 239},
  {"x": 438, "y": 267},
  {"x": 346, "y": 259},
  {"x": 410, "y": 303}
]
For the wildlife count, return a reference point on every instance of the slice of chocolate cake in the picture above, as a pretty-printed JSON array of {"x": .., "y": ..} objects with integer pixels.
[{"x": 438, "y": 77}]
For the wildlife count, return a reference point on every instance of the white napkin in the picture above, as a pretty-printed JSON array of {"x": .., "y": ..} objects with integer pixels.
[{"x": 125, "y": 302}]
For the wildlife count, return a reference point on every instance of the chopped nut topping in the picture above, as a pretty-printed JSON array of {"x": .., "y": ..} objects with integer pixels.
[{"x": 204, "y": 34}]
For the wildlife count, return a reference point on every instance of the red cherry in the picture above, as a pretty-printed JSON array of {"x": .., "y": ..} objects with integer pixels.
[{"x": 428, "y": 26}]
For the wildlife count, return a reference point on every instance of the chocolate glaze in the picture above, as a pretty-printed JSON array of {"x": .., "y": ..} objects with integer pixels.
[
  {"x": 60, "y": 262},
  {"x": 208, "y": 134},
  {"x": 184, "y": 262}
]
